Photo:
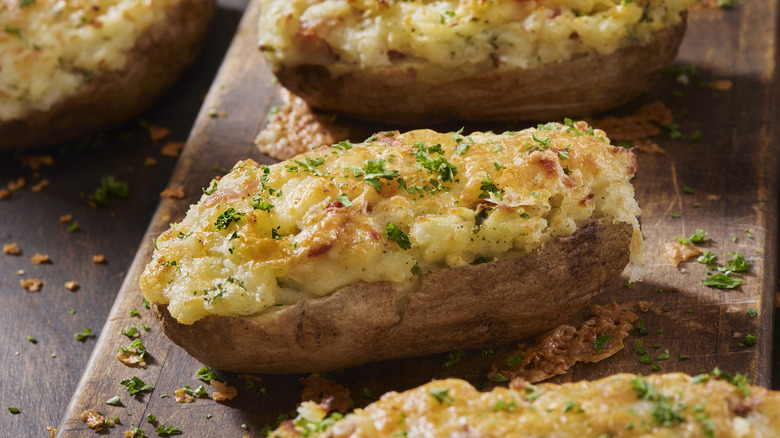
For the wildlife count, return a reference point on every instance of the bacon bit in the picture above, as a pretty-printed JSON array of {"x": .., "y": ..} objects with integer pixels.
[
  {"x": 645, "y": 123},
  {"x": 52, "y": 431},
  {"x": 721, "y": 85},
  {"x": 94, "y": 420},
  {"x": 16, "y": 185},
  {"x": 559, "y": 349},
  {"x": 296, "y": 128},
  {"x": 224, "y": 391},
  {"x": 328, "y": 393},
  {"x": 31, "y": 284},
  {"x": 38, "y": 187},
  {"x": 64, "y": 219},
  {"x": 158, "y": 133},
  {"x": 172, "y": 149},
  {"x": 130, "y": 359},
  {"x": 678, "y": 253},
  {"x": 35, "y": 162},
  {"x": 150, "y": 162},
  {"x": 651, "y": 148},
  {"x": 182, "y": 396},
  {"x": 644, "y": 306},
  {"x": 173, "y": 192},
  {"x": 39, "y": 259},
  {"x": 4, "y": 194},
  {"x": 71, "y": 285},
  {"x": 11, "y": 249},
  {"x": 99, "y": 258}
]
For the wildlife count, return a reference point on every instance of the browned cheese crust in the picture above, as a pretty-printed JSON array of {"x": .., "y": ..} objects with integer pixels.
[
  {"x": 159, "y": 57},
  {"x": 582, "y": 86},
  {"x": 468, "y": 307}
]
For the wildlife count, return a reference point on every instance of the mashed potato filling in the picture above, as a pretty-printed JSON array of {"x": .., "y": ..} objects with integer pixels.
[
  {"x": 49, "y": 49},
  {"x": 455, "y": 38},
  {"x": 391, "y": 209}
]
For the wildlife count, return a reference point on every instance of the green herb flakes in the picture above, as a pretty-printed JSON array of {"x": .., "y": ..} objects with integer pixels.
[
  {"x": 442, "y": 395},
  {"x": 114, "y": 401},
  {"x": 136, "y": 385},
  {"x": 84, "y": 335},
  {"x": 394, "y": 233}
]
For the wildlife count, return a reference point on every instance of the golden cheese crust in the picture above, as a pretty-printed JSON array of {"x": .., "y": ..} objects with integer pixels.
[
  {"x": 622, "y": 405},
  {"x": 389, "y": 210},
  {"x": 69, "y": 68}
]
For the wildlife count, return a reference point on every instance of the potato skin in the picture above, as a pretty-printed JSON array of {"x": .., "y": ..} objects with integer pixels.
[
  {"x": 159, "y": 57},
  {"x": 473, "y": 306},
  {"x": 578, "y": 87}
]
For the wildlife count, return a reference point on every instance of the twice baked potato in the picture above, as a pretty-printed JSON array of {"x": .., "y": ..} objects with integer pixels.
[
  {"x": 73, "y": 67},
  {"x": 417, "y": 62},
  {"x": 404, "y": 245},
  {"x": 622, "y": 405}
]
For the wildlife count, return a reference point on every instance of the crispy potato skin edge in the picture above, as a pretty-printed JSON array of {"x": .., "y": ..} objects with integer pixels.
[
  {"x": 582, "y": 86},
  {"x": 157, "y": 60},
  {"x": 473, "y": 306}
]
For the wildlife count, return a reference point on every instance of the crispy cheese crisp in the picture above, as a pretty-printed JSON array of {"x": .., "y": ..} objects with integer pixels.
[{"x": 390, "y": 209}]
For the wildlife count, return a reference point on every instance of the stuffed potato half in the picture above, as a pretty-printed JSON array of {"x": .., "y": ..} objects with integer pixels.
[
  {"x": 424, "y": 61},
  {"x": 71, "y": 68},
  {"x": 404, "y": 245}
]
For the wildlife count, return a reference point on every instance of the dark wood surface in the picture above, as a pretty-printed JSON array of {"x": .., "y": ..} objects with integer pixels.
[{"x": 735, "y": 160}]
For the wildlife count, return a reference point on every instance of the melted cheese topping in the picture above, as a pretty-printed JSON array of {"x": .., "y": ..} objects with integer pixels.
[
  {"x": 393, "y": 208},
  {"x": 454, "y": 38},
  {"x": 623, "y": 405},
  {"x": 50, "y": 49}
]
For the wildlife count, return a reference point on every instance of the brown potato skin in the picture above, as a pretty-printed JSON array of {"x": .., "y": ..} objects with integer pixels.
[
  {"x": 469, "y": 307},
  {"x": 582, "y": 86},
  {"x": 159, "y": 57}
]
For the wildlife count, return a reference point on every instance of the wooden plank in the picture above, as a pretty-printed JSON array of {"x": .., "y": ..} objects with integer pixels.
[
  {"x": 732, "y": 169},
  {"x": 30, "y": 378}
]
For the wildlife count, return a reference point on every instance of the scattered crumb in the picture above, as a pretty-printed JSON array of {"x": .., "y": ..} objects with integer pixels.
[
  {"x": 54, "y": 355},
  {"x": 645, "y": 123},
  {"x": 182, "y": 396},
  {"x": 150, "y": 162},
  {"x": 52, "y": 431},
  {"x": 130, "y": 359},
  {"x": 322, "y": 390},
  {"x": 71, "y": 285},
  {"x": 644, "y": 306},
  {"x": 296, "y": 128},
  {"x": 721, "y": 85},
  {"x": 38, "y": 187},
  {"x": 173, "y": 192},
  {"x": 129, "y": 434},
  {"x": 39, "y": 259},
  {"x": 16, "y": 185},
  {"x": 20, "y": 272},
  {"x": 250, "y": 377},
  {"x": 224, "y": 391},
  {"x": 713, "y": 197},
  {"x": 158, "y": 133},
  {"x": 35, "y": 162},
  {"x": 4, "y": 194},
  {"x": 559, "y": 349},
  {"x": 172, "y": 149},
  {"x": 651, "y": 148},
  {"x": 678, "y": 253},
  {"x": 99, "y": 258},
  {"x": 94, "y": 420},
  {"x": 31, "y": 284},
  {"x": 65, "y": 218},
  {"x": 11, "y": 249}
]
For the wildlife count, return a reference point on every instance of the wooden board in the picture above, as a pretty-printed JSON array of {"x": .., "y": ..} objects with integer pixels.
[{"x": 733, "y": 170}]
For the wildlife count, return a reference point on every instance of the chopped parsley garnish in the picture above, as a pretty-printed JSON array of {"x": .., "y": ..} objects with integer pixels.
[
  {"x": 571, "y": 406},
  {"x": 663, "y": 356},
  {"x": 25, "y": 3},
  {"x": 167, "y": 430},
  {"x": 737, "y": 263},
  {"x": 374, "y": 170},
  {"x": 601, "y": 342},
  {"x": 151, "y": 418},
  {"x": 136, "y": 385},
  {"x": 488, "y": 188},
  {"x": 642, "y": 327},
  {"x": 722, "y": 281},
  {"x": 344, "y": 200},
  {"x": 544, "y": 142},
  {"x": 200, "y": 391},
  {"x": 206, "y": 374},
  {"x": 446, "y": 171},
  {"x": 707, "y": 257},
  {"x": 260, "y": 204},
  {"x": 750, "y": 340},
  {"x": 502, "y": 405},
  {"x": 134, "y": 312},
  {"x": 346, "y": 145},
  {"x": 135, "y": 347},
  {"x": 499, "y": 378},
  {"x": 453, "y": 358},
  {"x": 132, "y": 331},
  {"x": 310, "y": 164},
  {"x": 514, "y": 359},
  {"x": 114, "y": 401},
  {"x": 13, "y": 410},
  {"x": 183, "y": 236},
  {"x": 84, "y": 335},
  {"x": 73, "y": 227},
  {"x": 689, "y": 190},
  {"x": 749, "y": 234},
  {"x": 532, "y": 393},
  {"x": 752, "y": 313},
  {"x": 639, "y": 348},
  {"x": 442, "y": 395},
  {"x": 32, "y": 339},
  {"x": 227, "y": 217},
  {"x": 109, "y": 187},
  {"x": 397, "y": 235},
  {"x": 366, "y": 393},
  {"x": 698, "y": 236}
]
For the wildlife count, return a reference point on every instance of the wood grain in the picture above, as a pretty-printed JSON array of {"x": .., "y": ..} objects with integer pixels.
[{"x": 733, "y": 170}]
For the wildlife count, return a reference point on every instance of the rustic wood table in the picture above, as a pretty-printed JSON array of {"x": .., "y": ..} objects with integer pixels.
[{"x": 733, "y": 169}]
